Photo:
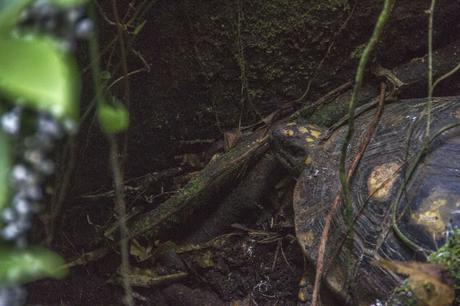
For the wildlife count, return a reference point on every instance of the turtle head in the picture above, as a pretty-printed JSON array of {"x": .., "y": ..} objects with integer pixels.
[{"x": 294, "y": 144}]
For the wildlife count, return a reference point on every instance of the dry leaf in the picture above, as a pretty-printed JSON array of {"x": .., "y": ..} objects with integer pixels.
[
  {"x": 269, "y": 119},
  {"x": 247, "y": 301},
  {"x": 141, "y": 253},
  {"x": 429, "y": 282},
  {"x": 205, "y": 260},
  {"x": 194, "y": 160},
  {"x": 231, "y": 138},
  {"x": 147, "y": 278},
  {"x": 88, "y": 257}
]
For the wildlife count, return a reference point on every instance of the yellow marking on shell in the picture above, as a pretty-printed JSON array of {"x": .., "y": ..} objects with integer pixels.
[
  {"x": 312, "y": 127},
  {"x": 308, "y": 161},
  {"x": 436, "y": 210},
  {"x": 306, "y": 238},
  {"x": 301, "y": 296},
  {"x": 291, "y": 123},
  {"x": 303, "y": 281},
  {"x": 457, "y": 114},
  {"x": 311, "y": 130},
  {"x": 288, "y": 132},
  {"x": 430, "y": 216},
  {"x": 302, "y": 130},
  {"x": 336, "y": 278},
  {"x": 315, "y": 133},
  {"x": 381, "y": 181}
]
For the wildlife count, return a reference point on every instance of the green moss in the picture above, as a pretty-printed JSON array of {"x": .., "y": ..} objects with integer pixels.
[
  {"x": 329, "y": 114},
  {"x": 402, "y": 296},
  {"x": 324, "y": 116},
  {"x": 449, "y": 256},
  {"x": 284, "y": 41}
]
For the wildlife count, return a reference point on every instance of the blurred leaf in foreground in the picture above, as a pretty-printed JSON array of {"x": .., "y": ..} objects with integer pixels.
[
  {"x": 29, "y": 264},
  {"x": 113, "y": 118},
  {"x": 429, "y": 282},
  {"x": 34, "y": 72}
]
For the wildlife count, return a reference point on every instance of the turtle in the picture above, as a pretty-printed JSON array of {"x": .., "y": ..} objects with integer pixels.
[{"x": 405, "y": 192}]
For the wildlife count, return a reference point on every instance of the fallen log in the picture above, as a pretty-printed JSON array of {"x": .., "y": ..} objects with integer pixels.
[{"x": 215, "y": 181}]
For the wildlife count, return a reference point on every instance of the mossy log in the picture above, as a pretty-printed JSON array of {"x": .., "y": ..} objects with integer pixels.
[
  {"x": 215, "y": 181},
  {"x": 244, "y": 202},
  {"x": 410, "y": 78}
]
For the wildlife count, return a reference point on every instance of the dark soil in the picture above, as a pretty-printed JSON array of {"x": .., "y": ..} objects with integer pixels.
[{"x": 243, "y": 271}]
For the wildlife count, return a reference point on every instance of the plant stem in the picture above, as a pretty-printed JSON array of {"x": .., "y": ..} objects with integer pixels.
[
  {"x": 445, "y": 76},
  {"x": 116, "y": 168},
  {"x": 124, "y": 65},
  {"x": 429, "y": 105},
  {"x": 357, "y": 87},
  {"x": 121, "y": 211},
  {"x": 344, "y": 179},
  {"x": 94, "y": 58},
  {"x": 383, "y": 18}
]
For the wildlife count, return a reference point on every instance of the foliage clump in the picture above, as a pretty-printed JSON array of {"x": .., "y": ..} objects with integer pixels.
[
  {"x": 449, "y": 256},
  {"x": 402, "y": 296}
]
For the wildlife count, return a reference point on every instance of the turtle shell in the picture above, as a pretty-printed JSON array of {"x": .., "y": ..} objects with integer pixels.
[{"x": 399, "y": 214}]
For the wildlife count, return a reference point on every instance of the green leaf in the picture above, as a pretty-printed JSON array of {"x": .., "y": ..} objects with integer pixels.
[
  {"x": 19, "y": 265},
  {"x": 5, "y": 166},
  {"x": 9, "y": 13},
  {"x": 139, "y": 28},
  {"x": 105, "y": 75},
  {"x": 113, "y": 118},
  {"x": 34, "y": 72},
  {"x": 67, "y": 3}
]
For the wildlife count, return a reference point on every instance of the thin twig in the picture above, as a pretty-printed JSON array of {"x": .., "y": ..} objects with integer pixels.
[
  {"x": 343, "y": 175},
  {"x": 323, "y": 100},
  {"x": 275, "y": 258},
  {"x": 143, "y": 69},
  {"x": 121, "y": 210},
  {"x": 362, "y": 148},
  {"x": 408, "y": 176},
  {"x": 446, "y": 75},
  {"x": 344, "y": 181},
  {"x": 117, "y": 172},
  {"x": 384, "y": 15},
  {"x": 429, "y": 104},
  {"x": 64, "y": 183},
  {"x": 338, "y": 197},
  {"x": 124, "y": 65},
  {"x": 244, "y": 96},
  {"x": 285, "y": 258}
]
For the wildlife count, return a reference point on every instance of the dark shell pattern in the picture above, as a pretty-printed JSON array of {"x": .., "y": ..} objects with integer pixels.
[{"x": 399, "y": 214}]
